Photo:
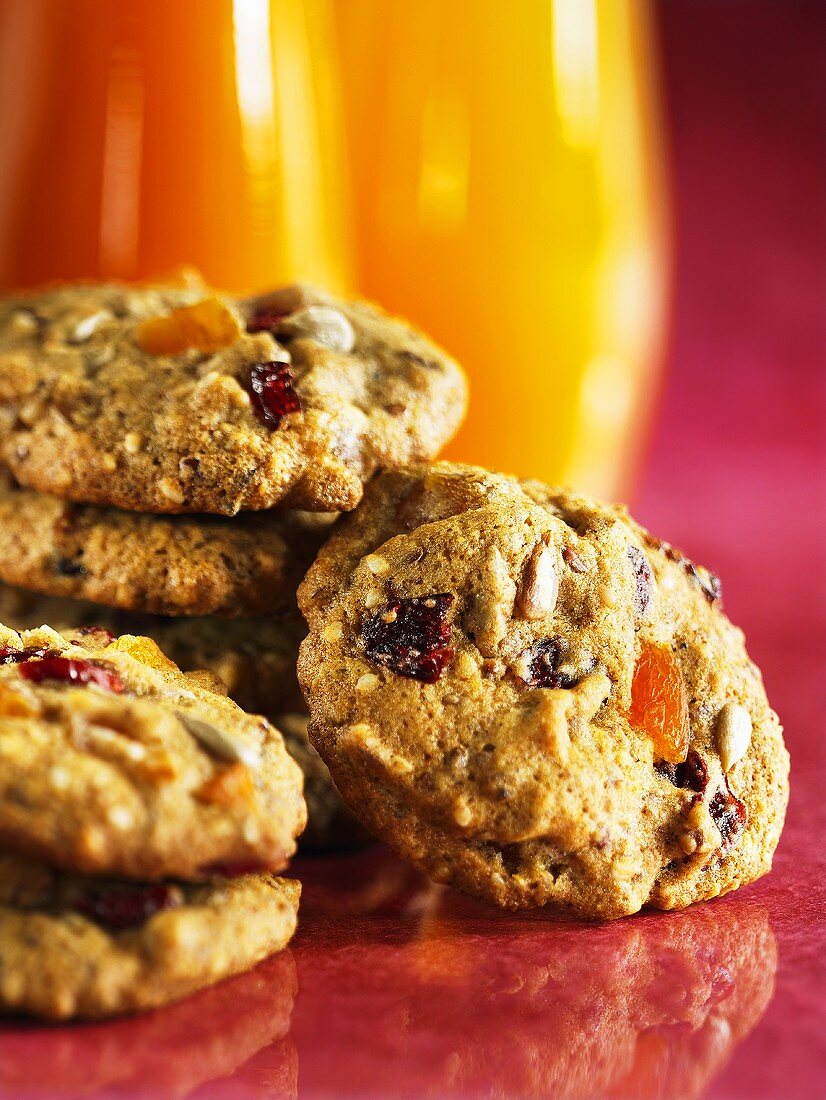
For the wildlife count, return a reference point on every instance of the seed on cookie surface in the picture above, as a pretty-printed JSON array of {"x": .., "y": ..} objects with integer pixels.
[
  {"x": 734, "y": 728},
  {"x": 324, "y": 325},
  {"x": 221, "y": 742},
  {"x": 538, "y": 593}
]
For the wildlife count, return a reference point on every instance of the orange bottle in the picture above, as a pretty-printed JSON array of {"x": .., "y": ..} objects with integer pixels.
[
  {"x": 508, "y": 177},
  {"x": 139, "y": 135}
]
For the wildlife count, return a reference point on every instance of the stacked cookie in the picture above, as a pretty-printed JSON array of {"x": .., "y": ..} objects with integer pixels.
[
  {"x": 142, "y": 815},
  {"x": 173, "y": 460}
]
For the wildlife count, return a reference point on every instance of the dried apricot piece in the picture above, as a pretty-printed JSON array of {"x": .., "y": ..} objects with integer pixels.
[
  {"x": 207, "y": 326},
  {"x": 143, "y": 650},
  {"x": 659, "y": 702}
]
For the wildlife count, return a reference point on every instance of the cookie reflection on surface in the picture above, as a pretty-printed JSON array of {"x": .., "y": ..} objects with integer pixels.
[
  {"x": 238, "y": 1027},
  {"x": 458, "y": 1001}
]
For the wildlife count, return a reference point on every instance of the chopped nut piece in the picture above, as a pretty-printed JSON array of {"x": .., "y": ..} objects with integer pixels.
[
  {"x": 86, "y": 328},
  {"x": 733, "y": 734},
  {"x": 376, "y": 564},
  {"x": 540, "y": 585},
  {"x": 324, "y": 325}
]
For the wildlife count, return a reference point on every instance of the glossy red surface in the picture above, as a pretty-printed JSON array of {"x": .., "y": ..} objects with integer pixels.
[{"x": 397, "y": 988}]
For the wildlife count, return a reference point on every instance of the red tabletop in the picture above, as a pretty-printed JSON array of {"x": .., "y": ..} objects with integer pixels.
[{"x": 394, "y": 987}]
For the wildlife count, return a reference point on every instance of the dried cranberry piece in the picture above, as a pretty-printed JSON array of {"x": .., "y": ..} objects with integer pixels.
[
  {"x": 543, "y": 661},
  {"x": 412, "y": 637},
  {"x": 126, "y": 906},
  {"x": 642, "y": 580},
  {"x": 729, "y": 815},
  {"x": 265, "y": 320},
  {"x": 9, "y": 656},
  {"x": 72, "y": 671},
  {"x": 691, "y": 774},
  {"x": 231, "y": 869},
  {"x": 272, "y": 392}
]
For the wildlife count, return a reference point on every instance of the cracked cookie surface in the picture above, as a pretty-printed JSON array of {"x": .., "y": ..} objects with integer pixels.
[
  {"x": 181, "y": 400},
  {"x": 532, "y": 698},
  {"x": 113, "y": 761},
  {"x": 166, "y": 565},
  {"x": 74, "y": 946}
]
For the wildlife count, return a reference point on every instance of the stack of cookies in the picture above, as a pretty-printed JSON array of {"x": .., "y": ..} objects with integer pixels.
[
  {"x": 517, "y": 688},
  {"x": 172, "y": 460}
]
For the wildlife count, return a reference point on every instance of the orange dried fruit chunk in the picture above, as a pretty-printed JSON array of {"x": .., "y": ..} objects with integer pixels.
[
  {"x": 230, "y": 787},
  {"x": 659, "y": 702},
  {"x": 207, "y": 326},
  {"x": 145, "y": 651},
  {"x": 14, "y": 705}
]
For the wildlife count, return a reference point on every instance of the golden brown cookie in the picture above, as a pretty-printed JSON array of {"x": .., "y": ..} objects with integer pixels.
[
  {"x": 532, "y": 698},
  {"x": 166, "y": 565},
  {"x": 75, "y": 946},
  {"x": 112, "y": 761},
  {"x": 253, "y": 658},
  {"x": 183, "y": 400}
]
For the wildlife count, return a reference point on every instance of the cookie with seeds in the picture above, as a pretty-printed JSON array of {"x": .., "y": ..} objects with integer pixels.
[
  {"x": 254, "y": 659},
  {"x": 174, "y": 400},
  {"x": 165, "y": 565},
  {"x": 77, "y": 946},
  {"x": 112, "y": 761},
  {"x": 533, "y": 699}
]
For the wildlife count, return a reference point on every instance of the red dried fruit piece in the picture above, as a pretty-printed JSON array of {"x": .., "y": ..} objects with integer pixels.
[
  {"x": 412, "y": 637},
  {"x": 234, "y": 869},
  {"x": 126, "y": 906},
  {"x": 642, "y": 580},
  {"x": 273, "y": 395},
  {"x": 265, "y": 320},
  {"x": 543, "y": 661},
  {"x": 73, "y": 671},
  {"x": 691, "y": 775},
  {"x": 10, "y": 656},
  {"x": 659, "y": 702},
  {"x": 729, "y": 815}
]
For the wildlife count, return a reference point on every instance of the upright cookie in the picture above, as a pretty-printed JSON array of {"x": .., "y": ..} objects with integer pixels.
[
  {"x": 73, "y": 946},
  {"x": 166, "y": 565},
  {"x": 113, "y": 762},
  {"x": 533, "y": 699},
  {"x": 181, "y": 400}
]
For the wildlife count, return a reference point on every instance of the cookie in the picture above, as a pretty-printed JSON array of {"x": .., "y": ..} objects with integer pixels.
[
  {"x": 74, "y": 946},
  {"x": 166, "y": 565},
  {"x": 253, "y": 658},
  {"x": 182, "y": 400},
  {"x": 112, "y": 761},
  {"x": 330, "y": 825},
  {"x": 533, "y": 699}
]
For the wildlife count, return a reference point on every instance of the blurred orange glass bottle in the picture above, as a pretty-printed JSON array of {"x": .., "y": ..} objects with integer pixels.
[
  {"x": 508, "y": 175},
  {"x": 139, "y": 135}
]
